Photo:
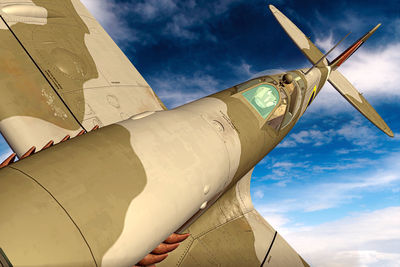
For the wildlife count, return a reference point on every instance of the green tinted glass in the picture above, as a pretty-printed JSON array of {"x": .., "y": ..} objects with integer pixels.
[{"x": 263, "y": 98}]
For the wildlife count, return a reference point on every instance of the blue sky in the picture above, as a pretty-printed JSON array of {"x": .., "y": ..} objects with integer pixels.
[{"x": 332, "y": 187}]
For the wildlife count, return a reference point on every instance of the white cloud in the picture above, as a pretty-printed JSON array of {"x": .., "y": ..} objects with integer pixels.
[
  {"x": 354, "y": 131},
  {"x": 344, "y": 164},
  {"x": 265, "y": 72},
  {"x": 326, "y": 195},
  {"x": 176, "y": 90},
  {"x": 151, "y": 9},
  {"x": 180, "y": 27},
  {"x": 325, "y": 44},
  {"x": 358, "y": 134},
  {"x": 365, "y": 239},
  {"x": 259, "y": 194},
  {"x": 110, "y": 15},
  {"x": 314, "y": 137},
  {"x": 330, "y": 195},
  {"x": 184, "y": 20},
  {"x": 4, "y": 154},
  {"x": 277, "y": 221},
  {"x": 373, "y": 72}
]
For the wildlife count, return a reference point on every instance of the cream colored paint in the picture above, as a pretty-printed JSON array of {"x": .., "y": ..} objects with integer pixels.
[
  {"x": 112, "y": 104},
  {"x": 297, "y": 36},
  {"x": 182, "y": 153},
  {"x": 119, "y": 92},
  {"x": 81, "y": 9},
  {"x": 313, "y": 79},
  {"x": 40, "y": 133},
  {"x": 329, "y": 69},
  {"x": 219, "y": 120},
  {"x": 343, "y": 85},
  {"x": 263, "y": 232},
  {"x": 21, "y": 11}
]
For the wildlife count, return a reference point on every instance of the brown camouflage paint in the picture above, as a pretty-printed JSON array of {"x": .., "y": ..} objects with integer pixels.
[{"x": 94, "y": 178}]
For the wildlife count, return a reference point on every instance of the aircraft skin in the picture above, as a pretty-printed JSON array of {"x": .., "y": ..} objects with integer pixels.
[{"x": 134, "y": 173}]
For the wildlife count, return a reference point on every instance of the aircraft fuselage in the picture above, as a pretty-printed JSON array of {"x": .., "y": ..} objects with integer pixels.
[{"x": 175, "y": 163}]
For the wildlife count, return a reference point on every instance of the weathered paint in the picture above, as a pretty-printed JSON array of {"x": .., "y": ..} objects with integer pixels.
[
  {"x": 34, "y": 229},
  {"x": 298, "y": 37},
  {"x": 174, "y": 148},
  {"x": 226, "y": 222},
  {"x": 350, "y": 93},
  {"x": 93, "y": 177},
  {"x": 25, "y": 93},
  {"x": 120, "y": 191},
  {"x": 24, "y": 11},
  {"x": 64, "y": 69}
]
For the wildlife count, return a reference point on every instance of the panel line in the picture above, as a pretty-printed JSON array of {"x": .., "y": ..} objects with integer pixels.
[
  {"x": 269, "y": 249},
  {"x": 40, "y": 70}
]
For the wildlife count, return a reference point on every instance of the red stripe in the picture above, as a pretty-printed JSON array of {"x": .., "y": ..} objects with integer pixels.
[{"x": 349, "y": 52}]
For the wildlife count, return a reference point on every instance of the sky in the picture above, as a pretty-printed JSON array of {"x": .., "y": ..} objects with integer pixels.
[{"x": 332, "y": 187}]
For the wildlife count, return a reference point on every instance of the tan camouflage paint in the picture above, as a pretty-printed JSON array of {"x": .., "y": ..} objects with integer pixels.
[
  {"x": 81, "y": 62},
  {"x": 169, "y": 152},
  {"x": 60, "y": 51},
  {"x": 172, "y": 163},
  {"x": 232, "y": 233},
  {"x": 341, "y": 84},
  {"x": 172, "y": 146},
  {"x": 283, "y": 255},
  {"x": 120, "y": 91},
  {"x": 94, "y": 178},
  {"x": 303, "y": 42},
  {"x": 175, "y": 147},
  {"x": 34, "y": 229},
  {"x": 357, "y": 100},
  {"x": 226, "y": 222},
  {"x": 24, "y": 92},
  {"x": 192, "y": 251},
  {"x": 257, "y": 141}
]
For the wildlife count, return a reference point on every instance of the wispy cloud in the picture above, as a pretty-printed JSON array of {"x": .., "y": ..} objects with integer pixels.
[
  {"x": 154, "y": 9},
  {"x": 372, "y": 71},
  {"x": 365, "y": 239},
  {"x": 354, "y": 131},
  {"x": 176, "y": 90},
  {"x": 110, "y": 15},
  {"x": 5, "y": 152},
  {"x": 325, "y": 195},
  {"x": 188, "y": 20},
  {"x": 259, "y": 194}
]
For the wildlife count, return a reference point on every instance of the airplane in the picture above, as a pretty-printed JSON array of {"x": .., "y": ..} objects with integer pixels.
[{"x": 107, "y": 176}]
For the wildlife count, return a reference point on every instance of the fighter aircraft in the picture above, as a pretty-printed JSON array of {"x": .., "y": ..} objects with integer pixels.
[{"x": 107, "y": 176}]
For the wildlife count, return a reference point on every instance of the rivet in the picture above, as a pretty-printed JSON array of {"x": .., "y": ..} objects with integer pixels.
[
  {"x": 218, "y": 126},
  {"x": 203, "y": 206},
  {"x": 206, "y": 189}
]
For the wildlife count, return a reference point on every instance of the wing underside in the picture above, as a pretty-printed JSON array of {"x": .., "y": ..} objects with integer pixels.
[
  {"x": 232, "y": 233},
  {"x": 62, "y": 74}
]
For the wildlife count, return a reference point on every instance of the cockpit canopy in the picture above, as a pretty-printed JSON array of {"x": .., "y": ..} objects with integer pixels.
[
  {"x": 274, "y": 101},
  {"x": 263, "y": 98}
]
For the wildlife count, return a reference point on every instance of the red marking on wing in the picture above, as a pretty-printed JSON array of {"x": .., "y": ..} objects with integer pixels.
[{"x": 342, "y": 58}]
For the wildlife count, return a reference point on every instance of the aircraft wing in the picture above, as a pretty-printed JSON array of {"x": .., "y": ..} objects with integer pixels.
[
  {"x": 232, "y": 233},
  {"x": 307, "y": 47},
  {"x": 61, "y": 74}
]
